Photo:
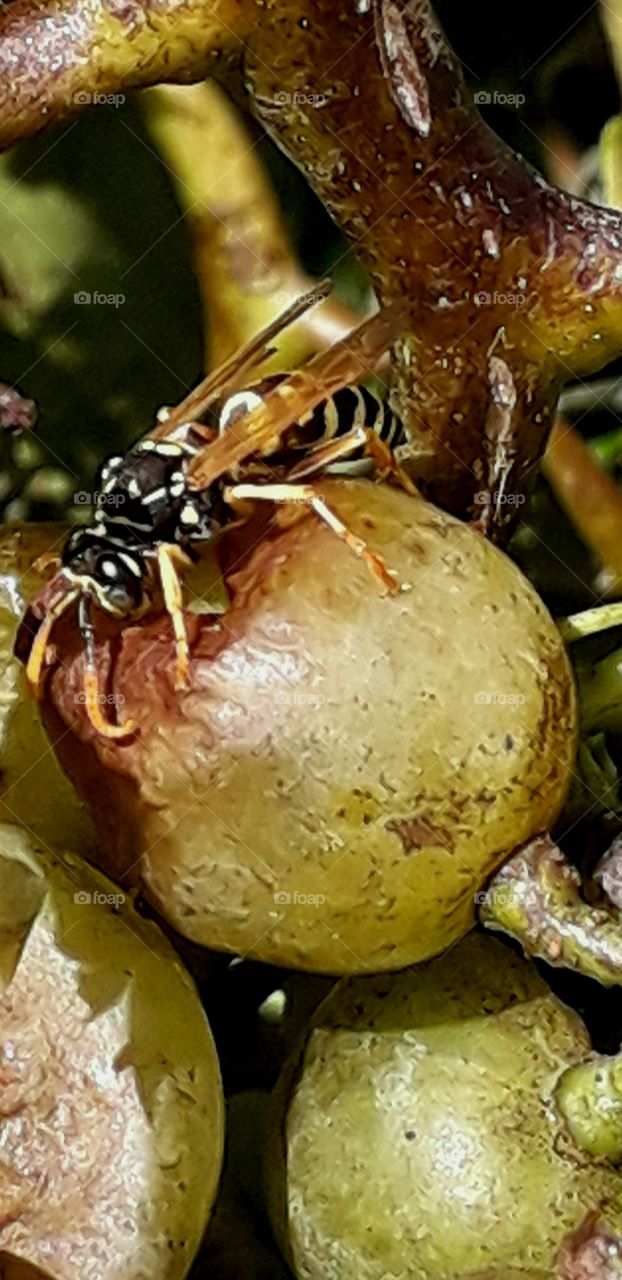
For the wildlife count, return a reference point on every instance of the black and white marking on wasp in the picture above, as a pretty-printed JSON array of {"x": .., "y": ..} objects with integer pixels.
[
  {"x": 144, "y": 502},
  {"x": 148, "y": 518}
]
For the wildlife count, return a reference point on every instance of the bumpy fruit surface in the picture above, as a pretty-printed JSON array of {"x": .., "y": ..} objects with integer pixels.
[
  {"x": 420, "y": 1135},
  {"x": 346, "y": 768}
]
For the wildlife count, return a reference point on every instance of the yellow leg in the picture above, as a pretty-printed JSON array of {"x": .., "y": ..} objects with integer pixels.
[
  {"x": 92, "y": 697},
  {"x": 306, "y": 494},
  {"x": 384, "y": 460},
  {"x": 325, "y": 454},
  {"x": 170, "y": 559},
  {"x": 92, "y": 702},
  {"x": 379, "y": 454},
  {"x": 37, "y": 655}
]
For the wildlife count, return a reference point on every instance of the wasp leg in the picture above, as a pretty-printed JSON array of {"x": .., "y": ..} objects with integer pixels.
[
  {"x": 37, "y": 655},
  {"x": 384, "y": 460},
  {"x": 379, "y": 454},
  {"x": 207, "y": 434},
  {"x": 306, "y": 494},
  {"x": 92, "y": 696},
  {"x": 48, "y": 559},
  {"x": 170, "y": 559}
]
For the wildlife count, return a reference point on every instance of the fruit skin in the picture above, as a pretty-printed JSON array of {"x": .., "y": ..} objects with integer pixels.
[
  {"x": 27, "y": 766},
  {"x": 154, "y": 1044},
  {"x": 346, "y": 769},
  {"x": 418, "y": 1132}
]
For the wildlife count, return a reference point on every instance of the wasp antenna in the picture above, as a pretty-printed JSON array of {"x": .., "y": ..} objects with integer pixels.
[
  {"x": 37, "y": 655},
  {"x": 92, "y": 696}
]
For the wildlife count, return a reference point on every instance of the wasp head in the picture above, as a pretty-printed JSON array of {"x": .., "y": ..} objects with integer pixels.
[{"x": 113, "y": 575}]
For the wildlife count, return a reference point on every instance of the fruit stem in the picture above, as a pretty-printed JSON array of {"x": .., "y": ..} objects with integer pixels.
[
  {"x": 536, "y": 898},
  {"x": 589, "y": 1097},
  {"x": 590, "y": 621}
]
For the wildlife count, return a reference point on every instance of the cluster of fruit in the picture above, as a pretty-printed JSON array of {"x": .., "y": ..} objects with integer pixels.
[{"x": 330, "y": 795}]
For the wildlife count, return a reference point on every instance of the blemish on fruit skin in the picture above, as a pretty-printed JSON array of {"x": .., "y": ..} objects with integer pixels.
[{"x": 418, "y": 832}]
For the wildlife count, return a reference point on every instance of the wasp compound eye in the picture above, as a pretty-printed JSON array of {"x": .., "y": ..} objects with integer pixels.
[{"x": 118, "y": 581}]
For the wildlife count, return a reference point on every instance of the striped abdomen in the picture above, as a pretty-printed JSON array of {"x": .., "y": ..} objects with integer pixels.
[{"x": 347, "y": 409}]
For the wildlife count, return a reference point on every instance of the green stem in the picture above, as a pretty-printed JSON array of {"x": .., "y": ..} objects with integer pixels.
[
  {"x": 589, "y": 1097},
  {"x": 590, "y": 622},
  {"x": 536, "y": 898}
]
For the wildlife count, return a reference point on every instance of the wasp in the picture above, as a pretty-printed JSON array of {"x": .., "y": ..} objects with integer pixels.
[{"x": 186, "y": 481}]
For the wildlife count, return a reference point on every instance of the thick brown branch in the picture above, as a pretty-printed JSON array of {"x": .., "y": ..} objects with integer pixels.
[
  {"x": 492, "y": 260},
  {"x": 59, "y": 56}
]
